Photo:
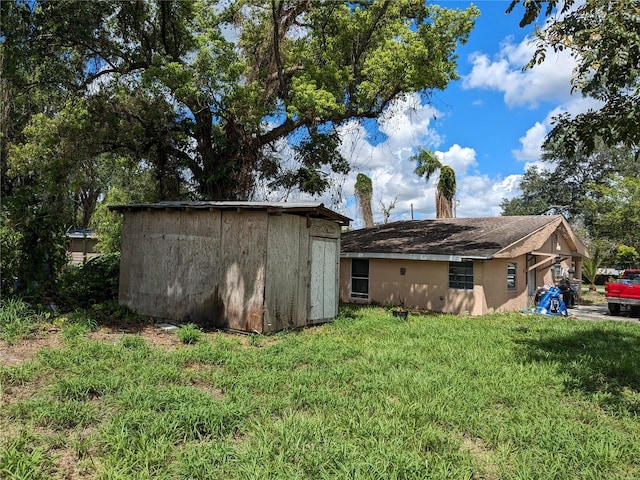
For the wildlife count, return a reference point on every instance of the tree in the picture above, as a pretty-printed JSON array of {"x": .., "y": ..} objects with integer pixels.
[
  {"x": 427, "y": 165},
  {"x": 602, "y": 38},
  {"x": 627, "y": 257},
  {"x": 203, "y": 94},
  {"x": 616, "y": 211},
  {"x": 364, "y": 191},
  {"x": 590, "y": 268},
  {"x": 575, "y": 184},
  {"x": 540, "y": 190},
  {"x": 386, "y": 209},
  {"x": 293, "y": 70}
]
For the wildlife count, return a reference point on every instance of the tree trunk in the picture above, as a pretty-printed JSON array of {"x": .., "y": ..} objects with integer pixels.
[{"x": 444, "y": 206}]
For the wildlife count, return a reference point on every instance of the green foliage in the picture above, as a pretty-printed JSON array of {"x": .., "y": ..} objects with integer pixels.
[
  {"x": 141, "y": 101},
  {"x": 590, "y": 267},
  {"x": 337, "y": 401},
  {"x": 427, "y": 165},
  {"x": 77, "y": 325},
  {"x": 10, "y": 244},
  {"x": 627, "y": 257},
  {"x": 595, "y": 191},
  {"x": 616, "y": 208},
  {"x": 54, "y": 414},
  {"x": 34, "y": 228},
  {"x": 183, "y": 97},
  {"x": 602, "y": 37},
  {"x": 20, "y": 460},
  {"x": 16, "y": 319},
  {"x": 92, "y": 282},
  {"x": 189, "y": 334},
  {"x": 363, "y": 186}
]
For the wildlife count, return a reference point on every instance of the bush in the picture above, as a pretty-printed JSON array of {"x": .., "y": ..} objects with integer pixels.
[{"x": 95, "y": 281}]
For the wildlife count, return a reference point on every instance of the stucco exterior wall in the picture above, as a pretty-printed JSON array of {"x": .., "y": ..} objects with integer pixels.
[
  {"x": 424, "y": 285},
  {"x": 498, "y": 297}
]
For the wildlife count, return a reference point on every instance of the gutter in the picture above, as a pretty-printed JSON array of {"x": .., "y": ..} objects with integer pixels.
[{"x": 414, "y": 256}]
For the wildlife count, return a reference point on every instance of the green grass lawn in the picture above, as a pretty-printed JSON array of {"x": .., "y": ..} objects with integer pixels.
[{"x": 368, "y": 397}]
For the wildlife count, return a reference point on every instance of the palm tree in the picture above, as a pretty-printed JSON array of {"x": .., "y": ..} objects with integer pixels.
[
  {"x": 428, "y": 164},
  {"x": 364, "y": 190}
]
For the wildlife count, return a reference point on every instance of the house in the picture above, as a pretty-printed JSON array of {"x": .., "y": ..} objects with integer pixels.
[
  {"x": 459, "y": 265},
  {"x": 240, "y": 266},
  {"x": 81, "y": 246}
]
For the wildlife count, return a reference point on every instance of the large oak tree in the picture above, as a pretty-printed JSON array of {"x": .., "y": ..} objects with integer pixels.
[{"x": 243, "y": 75}]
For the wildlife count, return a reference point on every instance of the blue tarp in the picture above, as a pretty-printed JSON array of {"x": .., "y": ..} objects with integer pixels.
[{"x": 551, "y": 303}]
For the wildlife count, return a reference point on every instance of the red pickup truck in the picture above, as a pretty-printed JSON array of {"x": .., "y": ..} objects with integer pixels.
[{"x": 624, "y": 292}]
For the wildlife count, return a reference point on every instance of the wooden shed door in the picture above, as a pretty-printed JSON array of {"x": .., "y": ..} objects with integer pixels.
[{"x": 324, "y": 278}]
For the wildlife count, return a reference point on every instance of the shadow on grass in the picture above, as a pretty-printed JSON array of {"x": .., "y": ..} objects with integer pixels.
[{"x": 602, "y": 363}]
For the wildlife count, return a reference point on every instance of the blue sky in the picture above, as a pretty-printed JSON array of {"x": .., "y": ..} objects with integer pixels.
[{"x": 488, "y": 125}]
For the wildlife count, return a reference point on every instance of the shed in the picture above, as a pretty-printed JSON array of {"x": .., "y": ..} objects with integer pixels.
[
  {"x": 241, "y": 266},
  {"x": 81, "y": 246},
  {"x": 459, "y": 265}
]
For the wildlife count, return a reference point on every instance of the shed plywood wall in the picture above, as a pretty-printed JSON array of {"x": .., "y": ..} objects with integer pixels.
[
  {"x": 242, "y": 282},
  {"x": 287, "y": 273},
  {"x": 240, "y": 270},
  {"x": 167, "y": 268}
]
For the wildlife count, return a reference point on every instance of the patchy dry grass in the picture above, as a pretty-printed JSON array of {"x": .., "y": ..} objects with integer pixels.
[
  {"x": 369, "y": 396},
  {"x": 593, "y": 298}
]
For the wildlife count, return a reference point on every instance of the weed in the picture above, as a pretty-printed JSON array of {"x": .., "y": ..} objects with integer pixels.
[
  {"x": 54, "y": 413},
  {"x": 189, "y": 333},
  {"x": 77, "y": 325},
  {"x": 19, "y": 459},
  {"x": 16, "y": 320},
  {"x": 92, "y": 282},
  {"x": 133, "y": 342}
]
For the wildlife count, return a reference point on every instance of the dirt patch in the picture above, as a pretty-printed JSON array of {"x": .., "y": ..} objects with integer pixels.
[
  {"x": 25, "y": 350},
  {"x": 153, "y": 336},
  {"x": 482, "y": 455}
]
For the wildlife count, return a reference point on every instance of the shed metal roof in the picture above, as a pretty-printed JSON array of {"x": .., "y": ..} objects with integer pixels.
[
  {"x": 311, "y": 209},
  {"x": 442, "y": 239}
]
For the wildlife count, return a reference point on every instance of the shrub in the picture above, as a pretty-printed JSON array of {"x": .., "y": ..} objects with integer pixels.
[{"x": 95, "y": 281}]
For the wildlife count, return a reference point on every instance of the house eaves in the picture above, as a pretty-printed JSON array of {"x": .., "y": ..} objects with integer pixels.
[{"x": 414, "y": 256}]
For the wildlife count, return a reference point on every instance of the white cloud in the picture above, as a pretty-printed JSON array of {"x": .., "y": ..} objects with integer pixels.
[
  {"x": 532, "y": 142},
  {"x": 394, "y": 179},
  {"x": 534, "y": 137},
  {"x": 547, "y": 81}
]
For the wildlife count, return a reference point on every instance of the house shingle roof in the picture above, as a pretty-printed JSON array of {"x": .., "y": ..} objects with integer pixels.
[{"x": 454, "y": 237}]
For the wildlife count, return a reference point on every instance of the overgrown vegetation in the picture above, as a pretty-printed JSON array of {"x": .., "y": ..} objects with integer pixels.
[
  {"x": 368, "y": 396},
  {"x": 16, "y": 319},
  {"x": 90, "y": 283}
]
